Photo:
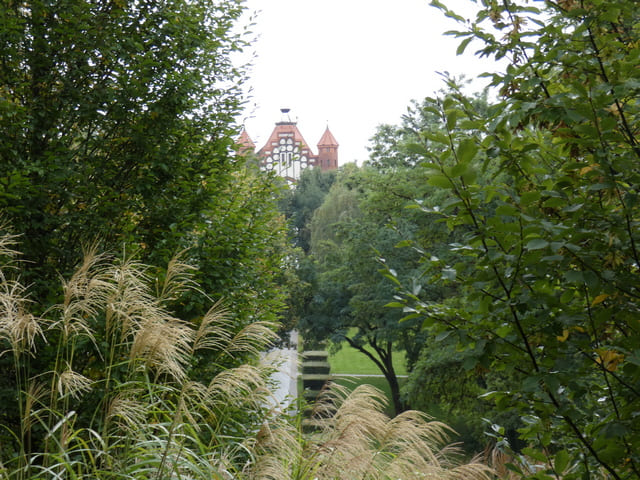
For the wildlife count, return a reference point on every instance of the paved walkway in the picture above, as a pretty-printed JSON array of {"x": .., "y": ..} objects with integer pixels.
[{"x": 286, "y": 378}]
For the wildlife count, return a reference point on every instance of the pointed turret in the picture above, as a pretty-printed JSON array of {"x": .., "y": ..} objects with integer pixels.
[
  {"x": 328, "y": 151},
  {"x": 244, "y": 142}
]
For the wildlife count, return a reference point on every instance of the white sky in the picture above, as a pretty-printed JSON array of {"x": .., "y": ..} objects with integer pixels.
[{"x": 349, "y": 64}]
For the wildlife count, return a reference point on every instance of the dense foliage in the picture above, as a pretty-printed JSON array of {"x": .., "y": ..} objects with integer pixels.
[
  {"x": 298, "y": 205},
  {"x": 546, "y": 271},
  {"x": 151, "y": 419},
  {"x": 115, "y": 124},
  {"x": 116, "y": 129},
  {"x": 361, "y": 218}
]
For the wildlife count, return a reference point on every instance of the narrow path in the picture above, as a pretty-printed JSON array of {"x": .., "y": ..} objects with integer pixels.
[{"x": 285, "y": 378}]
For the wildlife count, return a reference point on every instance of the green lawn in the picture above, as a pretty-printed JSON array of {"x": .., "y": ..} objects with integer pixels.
[
  {"x": 348, "y": 360},
  {"x": 353, "y": 364}
]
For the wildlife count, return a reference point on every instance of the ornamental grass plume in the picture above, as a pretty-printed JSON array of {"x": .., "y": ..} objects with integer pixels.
[
  {"x": 131, "y": 301},
  {"x": 84, "y": 295},
  {"x": 163, "y": 345},
  {"x": 127, "y": 412},
  {"x": 17, "y": 325},
  {"x": 355, "y": 439},
  {"x": 73, "y": 384},
  {"x": 124, "y": 402},
  {"x": 213, "y": 332},
  {"x": 115, "y": 394}
]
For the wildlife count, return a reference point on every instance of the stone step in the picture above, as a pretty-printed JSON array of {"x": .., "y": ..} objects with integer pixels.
[
  {"x": 315, "y": 356},
  {"x": 316, "y": 367},
  {"x": 314, "y": 381}
]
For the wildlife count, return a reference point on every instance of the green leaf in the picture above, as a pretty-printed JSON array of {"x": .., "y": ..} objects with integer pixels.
[
  {"x": 452, "y": 118},
  {"x": 467, "y": 150},
  {"x": 437, "y": 137},
  {"x": 404, "y": 243},
  {"x": 573, "y": 208},
  {"x": 513, "y": 468},
  {"x": 416, "y": 148},
  {"x": 449, "y": 274},
  {"x": 395, "y": 305},
  {"x": 528, "y": 198},
  {"x": 567, "y": 296},
  {"x": 504, "y": 330},
  {"x": 561, "y": 461},
  {"x": 506, "y": 210},
  {"x": 442, "y": 335},
  {"x": 536, "y": 244},
  {"x": 463, "y": 45},
  {"x": 574, "y": 276},
  {"x": 535, "y": 454},
  {"x": 439, "y": 181}
]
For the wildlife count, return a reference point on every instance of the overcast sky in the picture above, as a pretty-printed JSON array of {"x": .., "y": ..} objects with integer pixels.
[{"x": 348, "y": 64}]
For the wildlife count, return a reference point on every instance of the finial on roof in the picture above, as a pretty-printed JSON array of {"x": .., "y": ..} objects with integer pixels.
[{"x": 285, "y": 115}]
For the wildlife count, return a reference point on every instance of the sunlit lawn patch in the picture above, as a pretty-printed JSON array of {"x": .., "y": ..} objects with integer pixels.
[
  {"x": 348, "y": 360},
  {"x": 357, "y": 368}
]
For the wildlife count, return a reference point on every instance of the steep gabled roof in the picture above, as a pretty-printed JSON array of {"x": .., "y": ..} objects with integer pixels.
[
  {"x": 328, "y": 140},
  {"x": 285, "y": 128},
  {"x": 245, "y": 142}
]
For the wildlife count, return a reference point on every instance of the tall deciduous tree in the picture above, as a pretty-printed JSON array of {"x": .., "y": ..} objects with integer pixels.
[
  {"x": 115, "y": 122},
  {"x": 361, "y": 220},
  {"x": 303, "y": 200},
  {"x": 298, "y": 204},
  {"x": 548, "y": 268},
  {"x": 396, "y": 153}
]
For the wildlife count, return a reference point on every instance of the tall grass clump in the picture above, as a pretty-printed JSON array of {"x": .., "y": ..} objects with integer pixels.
[
  {"x": 106, "y": 385},
  {"x": 355, "y": 439}
]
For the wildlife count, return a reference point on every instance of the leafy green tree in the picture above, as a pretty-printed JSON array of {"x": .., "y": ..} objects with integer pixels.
[
  {"x": 243, "y": 255},
  {"x": 395, "y": 152},
  {"x": 547, "y": 271},
  {"x": 303, "y": 200},
  {"x": 115, "y": 123},
  {"x": 298, "y": 204},
  {"x": 116, "y": 126},
  {"x": 434, "y": 361},
  {"x": 360, "y": 221}
]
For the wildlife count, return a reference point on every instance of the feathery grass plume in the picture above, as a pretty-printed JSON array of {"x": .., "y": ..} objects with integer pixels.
[
  {"x": 8, "y": 252},
  {"x": 192, "y": 401},
  {"x": 131, "y": 301},
  {"x": 278, "y": 452},
  {"x": 127, "y": 412},
  {"x": 85, "y": 295},
  {"x": 73, "y": 384},
  {"x": 163, "y": 344},
  {"x": 214, "y": 331},
  {"x": 19, "y": 327},
  {"x": 236, "y": 386},
  {"x": 357, "y": 440},
  {"x": 177, "y": 278},
  {"x": 252, "y": 340},
  {"x": 34, "y": 396},
  {"x": 502, "y": 462}
]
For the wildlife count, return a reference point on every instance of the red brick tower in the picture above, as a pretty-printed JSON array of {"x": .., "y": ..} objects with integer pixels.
[{"x": 327, "y": 151}]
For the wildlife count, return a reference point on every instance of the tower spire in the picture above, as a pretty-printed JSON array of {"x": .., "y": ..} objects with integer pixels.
[{"x": 328, "y": 151}]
